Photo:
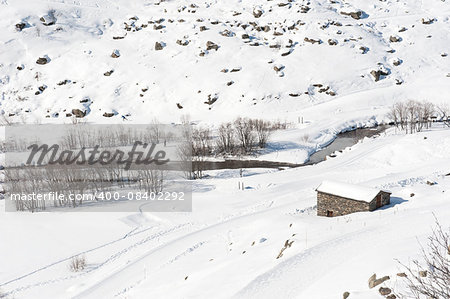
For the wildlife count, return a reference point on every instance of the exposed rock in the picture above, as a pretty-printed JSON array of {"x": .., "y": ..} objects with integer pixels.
[
  {"x": 158, "y": 27},
  {"x": 257, "y": 12},
  {"x": 245, "y": 36},
  {"x": 355, "y": 15},
  {"x": 397, "y": 62},
  {"x": 391, "y": 296},
  {"x": 403, "y": 29},
  {"x": 428, "y": 21},
  {"x": 21, "y": 26},
  {"x": 364, "y": 49},
  {"x": 373, "y": 281},
  {"x": 384, "y": 291},
  {"x": 203, "y": 28},
  {"x": 106, "y": 114},
  {"x": 78, "y": 113},
  {"x": 312, "y": 41},
  {"x": 211, "y": 100},
  {"x": 423, "y": 273},
  {"x": 179, "y": 106},
  {"x": 40, "y": 89},
  {"x": 378, "y": 73},
  {"x": 158, "y": 46},
  {"x": 230, "y": 83},
  {"x": 345, "y": 295},
  {"x": 211, "y": 46},
  {"x": 108, "y": 73},
  {"x": 182, "y": 43},
  {"x": 42, "y": 60},
  {"x": 395, "y": 39},
  {"x": 64, "y": 82},
  {"x": 236, "y": 70},
  {"x": 304, "y": 9},
  {"x": 48, "y": 19},
  {"x": 278, "y": 68},
  {"x": 332, "y": 42},
  {"x": 227, "y": 33},
  {"x": 20, "y": 67},
  {"x": 115, "y": 54},
  {"x": 401, "y": 274}
]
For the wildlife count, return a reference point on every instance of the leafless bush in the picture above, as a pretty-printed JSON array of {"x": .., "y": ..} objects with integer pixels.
[
  {"x": 244, "y": 129},
  {"x": 77, "y": 263},
  {"x": 226, "y": 138},
  {"x": 287, "y": 244},
  {"x": 151, "y": 180},
  {"x": 263, "y": 131},
  {"x": 430, "y": 278},
  {"x": 201, "y": 148},
  {"x": 278, "y": 125}
]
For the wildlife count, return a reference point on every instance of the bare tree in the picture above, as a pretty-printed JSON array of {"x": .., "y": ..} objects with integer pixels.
[
  {"x": 263, "y": 131},
  {"x": 444, "y": 113},
  {"x": 151, "y": 180},
  {"x": 226, "y": 138},
  {"x": 412, "y": 116},
  {"x": 430, "y": 278},
  {"x": 245, "y": 133},
  {"x": 201, "y": 148}
]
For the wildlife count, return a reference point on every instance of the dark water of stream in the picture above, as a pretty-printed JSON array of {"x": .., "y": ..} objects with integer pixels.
[{"x": 342, "y": 141}]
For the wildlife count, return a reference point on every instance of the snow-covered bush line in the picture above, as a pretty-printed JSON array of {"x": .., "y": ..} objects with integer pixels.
[
  {"x": 243, "y": 136},
  {"x": 414, "y": 116}
]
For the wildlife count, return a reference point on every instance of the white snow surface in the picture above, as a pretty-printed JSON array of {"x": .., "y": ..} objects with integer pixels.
[
  {"x": 350, "y": 191},
  {"x": 227, "y": 247}
]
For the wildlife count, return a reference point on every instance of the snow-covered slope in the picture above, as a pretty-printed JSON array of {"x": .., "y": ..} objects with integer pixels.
[
  {"x": 263, "y": 62},
  {"x": 228, "y": 245},
  {"x": 266, "y": 62}
]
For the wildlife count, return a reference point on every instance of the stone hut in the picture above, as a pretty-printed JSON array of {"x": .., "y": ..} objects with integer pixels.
[{"x": 337, "y": 199}]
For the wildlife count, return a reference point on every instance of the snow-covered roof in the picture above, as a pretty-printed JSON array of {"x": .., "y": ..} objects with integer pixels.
[{"x": 347, "y": 190}]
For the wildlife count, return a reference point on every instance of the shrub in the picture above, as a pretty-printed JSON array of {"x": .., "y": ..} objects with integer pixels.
[
  {"x": 77, "y": 263},
  {"x": 431, "y": 277}
]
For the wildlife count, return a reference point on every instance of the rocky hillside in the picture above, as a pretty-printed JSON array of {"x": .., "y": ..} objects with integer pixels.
[{"x": 107, "y": 61}]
